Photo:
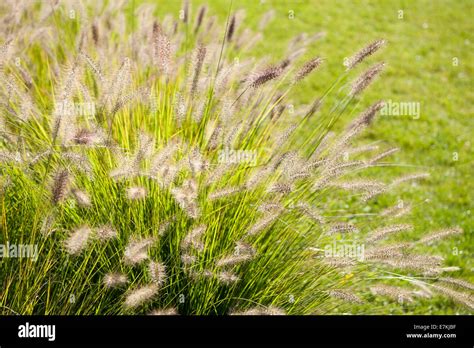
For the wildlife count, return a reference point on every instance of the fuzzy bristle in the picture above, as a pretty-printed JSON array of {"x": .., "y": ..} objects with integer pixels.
[
  {"x": 78, "y": 240},
  {"x": 139, "y": 296},
  {"x": 364, "y": 53},
  {"x": 136, "y": 251},
  {"x": 115, "y": 279},
  {"x": 60, "y": 186}
]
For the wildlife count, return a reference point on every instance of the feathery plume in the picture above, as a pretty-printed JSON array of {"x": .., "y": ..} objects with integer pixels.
[
  {"x": 169, "y": 311},
  {"x": 200, "y": 17},
  {"x": 165, "y": 224},
  {"x": 188, "y": 259},
  {"x": 192, "y": 239},
  {"x": 310, "y": 212},
  {"x": 383, "y": 232},
  {"x": 82, "y": 198},
  {"x": 382, "y": 155},
  {"x": 224, "y": 193},
  {"x": 409, "y": 177},
  {"x": 114, "y": 280},
  {"x": 365, "y": 79},
  {"x": 280, "y": 187},
  {"x": 136, "y": 251},
  {"x": 263, "y": 223},
  {"x": 163, "y": 53},
  {"x": 367, "y": 116},
  {"x": 95, "y": 68},
  {"x": 364, "y": 53},
  {"x": 243, "y": 252},
  {"x": 264, "y": 76},
  {"x": 386, "y": 252},
  {"x": 77, "y": 240},
  {"x": 95, "y": 33},
  {"x": 231, "y": 28},
  {"x": 105, "y": 233},
  {"x": 199, "y": 60},
  {"x": 283, "y": 137},
  {"x": 345, "y": 296},
  {"x": 426, "y": 264},
  {"x": 440, "y": 235},
  {"x": 136, "y": 193},
  {"x": 140, "y": 295},
  {"x": 322, "y": 146},
  {"x": 361, "y": 149},
  {"x": 227, "y": 278},
  {"x": 457, "y": 282},
  {"x": 78, "y": 160},
  {"x": 307, "y": 68},
  {"x": 85, "y": 136},
  {"x": 180, "y": 108},
  {"x": 459, "y": 297},
  {"x": 60, "y": 186},
  {"x": 47, "y": 223},
  {"x": 185, "y": 16},
  {"x": 157, "y": 271},
  {"x": 267, "y": 207},
  {"x": 395, "y": 293}
]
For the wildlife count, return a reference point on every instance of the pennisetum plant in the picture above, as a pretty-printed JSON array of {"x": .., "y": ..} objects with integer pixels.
[{"x": 157, "y": 174}]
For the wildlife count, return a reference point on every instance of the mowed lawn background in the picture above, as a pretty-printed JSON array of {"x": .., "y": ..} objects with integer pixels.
[{"x": 430, "y": 61}]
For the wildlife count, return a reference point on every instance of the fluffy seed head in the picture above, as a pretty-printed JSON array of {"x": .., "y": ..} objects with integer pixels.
[
  {"x": 78, "y": 239},
  {"x": 364, "y": 53},
  {"x": 200, "y": 17},
  {"x": 457, "y": 282},
  {"x": 227, "y": 278},
  {"x": 441, "y": 235},
  {"x": 136, "y": 251},
  {"x": 82, "y": 198},
  {"x": 367, "y": 116},
  {"x": 115, "y": 279},
  {"x": 169, "y": 311},
  {"x": 307, "y": 68},
  {"x": 386, "y": 231},
  {"x": 60, "y": 186},
  {"x": 231, "y": 29},
  {"x": 365, "y": 79},
  {"x": 105, "y": 233},
  {"x": 395, "y": 293},
  {"x": 232, "y": 260},
  {"x": 157, "y": 271},
  {"x": 263, "y": 223},
  {"x": 264, "y": 76},
  {"x": 136, "y": 193},
  {"x": 192, "y": 239},
  {"x": 140, "y": 295},
  {"x": 345, "y": 296}
]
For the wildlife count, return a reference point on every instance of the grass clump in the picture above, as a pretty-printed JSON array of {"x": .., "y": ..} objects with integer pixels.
[{"x": 155, "y": 173}]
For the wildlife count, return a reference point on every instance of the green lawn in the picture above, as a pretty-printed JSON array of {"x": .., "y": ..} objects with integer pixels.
[{"x": 421, "y": 67}]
